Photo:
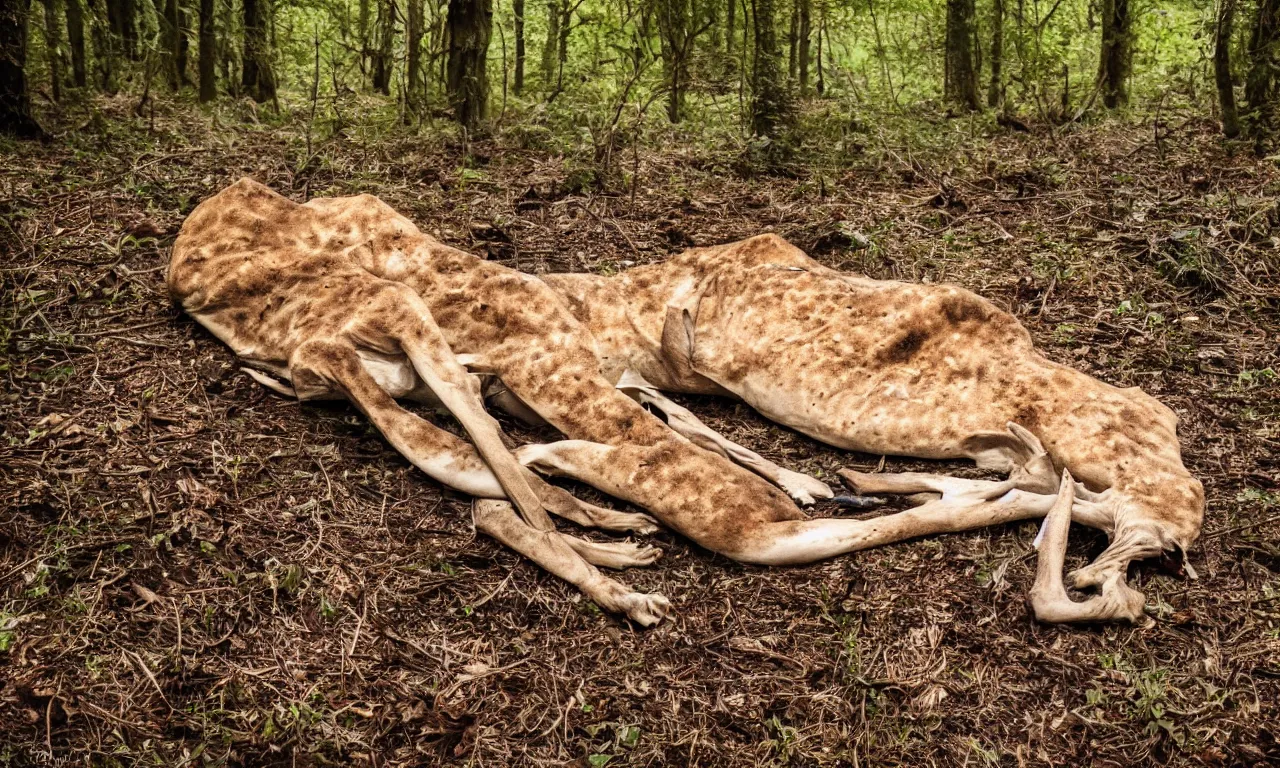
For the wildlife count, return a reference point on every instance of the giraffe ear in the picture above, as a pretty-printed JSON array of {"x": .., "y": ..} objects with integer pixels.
[
  {"x": 677, "y": 343},
  {"x": 1002, "y": 451},
  {"x": 998, "y": 451}
]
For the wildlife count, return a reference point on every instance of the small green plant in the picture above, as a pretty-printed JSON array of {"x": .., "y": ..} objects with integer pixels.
[
  {"x": 8, "y": 631},
  {"x": 1148, "y": 693},
  {"x": 1065, "y": 334},
  {"x": 1098, "y": 699},
  {"x": 55, "y": 374},
  {"x": 1258, "y": 496},
  {"x": 1252, "y": 378},
  {"x": 328, "y": 609},
  {"x": 291, "y": 580},
  {"x": 39, "y": 586},
  {"x": 784, "y": 738}
]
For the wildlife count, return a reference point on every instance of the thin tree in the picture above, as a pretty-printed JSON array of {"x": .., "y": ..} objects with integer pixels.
[
  {"x": 804, "y": 32},
  {"x": 730, "y": 25},
  {"x": 362, "y": 29},
  {"x": 1116, "y": 57},
  {"x": 123, "y": 18},
  {"x": 768, "y": 94},
  {"x": 15, "y": 100},
  {"x": 225, "y": 21},
  {"x": 383, "y": 63},
  {"x": 470, "y": 25},
  {"x": 256, "y": 75},
  {"x": 961, "y": 79},
  {"x": 550, "y": 47},
  {"x": 562, "y": 48},
  {"x": 673, "y": 29},
  {"x": 106, "y": 46},
  {"x": 822, "y": 36},
  {"x": 207, "y": 49},
  {"x": 677, "y": 33},
  {"x": 1222, "y": 68},
  {"x": 792, "y": 39},
  {"x": 1264, "y": 60},
  {"x": 183, "y": 45},
  {"x": 167, "y": 18},
  {"x": 75, "y": 40},
  {"x": 53, "y": 47},
  {"x": 413, "y": 31},
  {"x": 995, "y": 91},
  {"x": 517, "y": 10}
]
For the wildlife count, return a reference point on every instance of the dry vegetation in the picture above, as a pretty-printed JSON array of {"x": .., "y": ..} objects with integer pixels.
[{"x": 195, "y": 571}]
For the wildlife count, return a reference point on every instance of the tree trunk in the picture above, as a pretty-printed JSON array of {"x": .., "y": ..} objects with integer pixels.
[
  {"x": 996, "y": 90},
  {"x": 673, "y": 30},
  {"x": 1264, "y": 59},
  {"x": 106, "y": 46},
  {"x": 551, "y": 46},
  {"x": 470, "y": 24},
  {"x": 184, "y": 45},
  {"x": 413, "y": 30},
  {"x": 806, "y": 13},
  {"x": 382, "y": 57},
  {"x": 768, "y": 97},
  {"x": 129, "y": 29},
  {"x": 224, "y": 19},
  {"x": 257, "y": 77},
  {"x": 730, "y": 24},
  {"x": 75, "y": 39},
  {"x": 961, "y": 80},
  {"x": 167, "y": 17},
  {"x": 53, "y": 47},
  {"x": 1116, "y": 54},
  {"x": 517, "y": 9},
  {"x": 792, "y": 38},
  {"x": 122, "y": 16},
  {"x": 15, "y": 101},
  {"x": 252, "y": 43},
  {"x": 566, "y": 26},
  {"x": 822, "y": 35},
  {"x": 208, "y": 45},
  {"x": 1222, "y": 69},
  {"x": 362, "y": 29}
]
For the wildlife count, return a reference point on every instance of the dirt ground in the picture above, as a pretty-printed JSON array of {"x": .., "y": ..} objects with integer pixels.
[{"x": 195, "y": 571}]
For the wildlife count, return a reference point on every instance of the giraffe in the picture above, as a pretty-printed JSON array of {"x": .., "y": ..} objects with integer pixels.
[
  {"x": 573, "y": 351},
  {"x": 927, "y": 371}
]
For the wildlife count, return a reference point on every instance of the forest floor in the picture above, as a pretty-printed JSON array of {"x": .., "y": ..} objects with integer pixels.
[{"x": 197, "y": 571}]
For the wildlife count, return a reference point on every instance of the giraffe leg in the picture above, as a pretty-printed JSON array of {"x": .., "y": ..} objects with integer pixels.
[
  {"x": 803, "y": 488},
  {"x": 446, "y": 458},
  {"x": 805, "y": 541},
  {"x": 556, "y": 555},
  {"x": 613, "y": 554},
  {"x": 333, "y": 365},
  {"x": 399, "y": 320}
]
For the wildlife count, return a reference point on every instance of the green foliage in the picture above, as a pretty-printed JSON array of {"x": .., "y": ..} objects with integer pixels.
[{"x": 871, "y": 64}]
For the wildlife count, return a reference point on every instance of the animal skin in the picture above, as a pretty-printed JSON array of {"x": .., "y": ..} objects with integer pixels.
[
  {"x": 333, "y": 299},
  {"x": 857, "y": 365},
  {"x": 277, "y": 284},
  {"x": 929, "y": 371}
]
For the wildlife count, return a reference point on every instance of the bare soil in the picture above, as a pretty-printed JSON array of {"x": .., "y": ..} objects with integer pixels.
[{"x": 194, "y": 571}]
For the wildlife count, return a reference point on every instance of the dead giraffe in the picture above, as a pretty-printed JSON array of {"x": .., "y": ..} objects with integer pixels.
[
  {"x": 926, "y": 371},
  {"x": 270, "y": 279},
  {"x": 851, "y": 361}
]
